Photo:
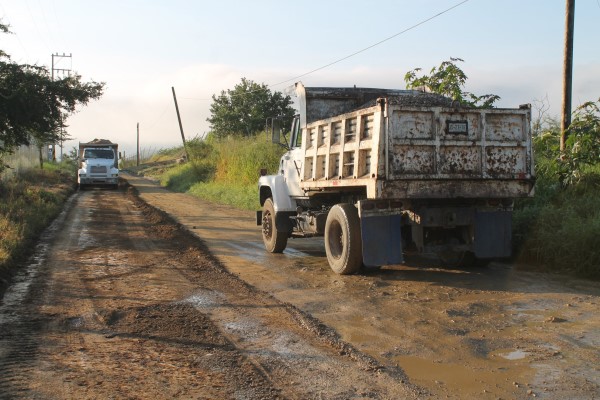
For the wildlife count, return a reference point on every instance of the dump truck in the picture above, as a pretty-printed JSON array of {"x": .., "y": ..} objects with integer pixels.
[
  {"x": 98, "y": 164},
  {"x": 382, "y": 173}
]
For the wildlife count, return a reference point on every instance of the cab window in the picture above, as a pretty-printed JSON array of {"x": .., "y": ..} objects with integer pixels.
[{"x": 296, "y": 139}]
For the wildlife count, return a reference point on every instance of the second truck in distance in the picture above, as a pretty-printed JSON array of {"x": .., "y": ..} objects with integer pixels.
[{"x": 98, "y": 164}]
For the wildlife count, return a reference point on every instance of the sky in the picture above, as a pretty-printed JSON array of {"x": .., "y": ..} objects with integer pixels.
[{"x": 140, "y": 49}]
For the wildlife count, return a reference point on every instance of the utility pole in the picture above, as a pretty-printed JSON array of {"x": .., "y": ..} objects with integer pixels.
[
  {"x": 138, "y": 144},
  {"x": 180, "y": 125},
  {"x": 567, "y": 72},
  {"x": 67, "y": 72}
]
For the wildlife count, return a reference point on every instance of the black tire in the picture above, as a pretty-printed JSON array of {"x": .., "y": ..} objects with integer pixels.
[
  {"x": 343, "y": 244},
  {"x": 82, "y": 186},
  {"x": 274, "y": 240}
]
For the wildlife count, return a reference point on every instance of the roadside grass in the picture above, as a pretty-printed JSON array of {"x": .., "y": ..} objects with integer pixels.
[
  {"x": 559, "y": 228},
  {"x": 222, "y": 171},
  {"x": 244, "y": 197},
  {"x": 29, "y": 201}
]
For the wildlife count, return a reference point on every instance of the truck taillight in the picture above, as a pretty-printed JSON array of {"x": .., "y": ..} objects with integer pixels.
[
  {"x": 382, "y": 205},
  {"x": 368, "y": 206},
  {"x": 396, "y": 204}
]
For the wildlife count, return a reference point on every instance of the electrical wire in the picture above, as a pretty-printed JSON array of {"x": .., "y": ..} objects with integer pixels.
[
  {"x": 42, "y": 38},
  {"x": 350, "y": 55},
  {"x": 4, "y": 14},
  {"x": 156, "y": 120},
  {"x": 41, "y": 8},
  {"x": 371, "y": 46}
]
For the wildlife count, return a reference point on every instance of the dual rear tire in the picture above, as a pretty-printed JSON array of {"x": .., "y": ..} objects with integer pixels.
[{"x": 343, "y": 243}]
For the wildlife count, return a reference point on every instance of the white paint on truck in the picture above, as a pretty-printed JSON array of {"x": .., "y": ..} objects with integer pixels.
[{"x": 98, "y": 164}]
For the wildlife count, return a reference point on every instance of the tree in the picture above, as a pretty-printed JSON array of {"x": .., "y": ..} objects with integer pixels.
[
  {"x": 448, "y": 80},
  {"x": 243, "y": 110},
  {"x": 582, "y": 147},
  {"x": 33, "y": 107}
]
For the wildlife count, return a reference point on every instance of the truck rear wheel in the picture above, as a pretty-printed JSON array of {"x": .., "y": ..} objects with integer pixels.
[
  {"x": 343, "y": 244},
  {"x": 275, "y": 241}
]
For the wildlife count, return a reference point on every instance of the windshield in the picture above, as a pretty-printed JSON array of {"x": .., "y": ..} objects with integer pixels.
[{"x": 98, "y": 153}]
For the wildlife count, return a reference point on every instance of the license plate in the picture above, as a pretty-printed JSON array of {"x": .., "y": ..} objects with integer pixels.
[{"x": 457, "y": 127}]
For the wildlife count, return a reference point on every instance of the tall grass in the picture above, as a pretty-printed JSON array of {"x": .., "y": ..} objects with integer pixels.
[
  {"x": 224, "y": 171},
  {"x": 559, "y": 228},
  {"x": 29, "y": 200}
]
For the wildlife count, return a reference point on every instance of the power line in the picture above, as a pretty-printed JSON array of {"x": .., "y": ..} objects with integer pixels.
[
  {"x": 373, "y": 45},
  {"x": 41, "y": 8},
  {"x": 42, "y": 38},
  {"x": 350, "y": 55}
]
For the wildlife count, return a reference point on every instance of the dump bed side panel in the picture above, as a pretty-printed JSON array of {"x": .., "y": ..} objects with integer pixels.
[
  {"x": 343, "y": 151},
  {"x": 395, "y": 151}
]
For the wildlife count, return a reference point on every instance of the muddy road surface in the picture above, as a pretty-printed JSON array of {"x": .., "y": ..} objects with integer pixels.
[
  {"x": 487, "y": 333},
  {"x": 120, "y": 303}
]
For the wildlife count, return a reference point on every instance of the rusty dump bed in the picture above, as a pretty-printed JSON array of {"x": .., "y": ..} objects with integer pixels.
[{"x": 406, "y": 146}]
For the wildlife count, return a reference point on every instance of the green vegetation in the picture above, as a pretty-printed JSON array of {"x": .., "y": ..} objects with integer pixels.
[
  {"x": 223, "y": 171},
  {"x": 448, "y": 80},
  {"x": 560, "y": 227},
  {"x": 34, "y": 106},
  {"x": 29, "y": 201},
  {"x": 244, "y": 110}
]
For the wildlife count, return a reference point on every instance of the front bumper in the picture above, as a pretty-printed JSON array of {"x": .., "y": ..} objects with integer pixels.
[{"x": 95, "y": 180}]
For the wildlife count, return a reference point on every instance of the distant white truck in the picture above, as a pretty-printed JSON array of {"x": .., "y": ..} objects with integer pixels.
[
  {"x": 381, "y": 172},
  {"x": 98, "y": 164}
]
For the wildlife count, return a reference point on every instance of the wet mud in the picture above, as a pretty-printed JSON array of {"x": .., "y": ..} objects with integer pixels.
[{"x": 484, "y": 333}]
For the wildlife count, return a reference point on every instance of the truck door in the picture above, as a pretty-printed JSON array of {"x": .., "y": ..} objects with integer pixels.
[{"x": 291, "y": 162}]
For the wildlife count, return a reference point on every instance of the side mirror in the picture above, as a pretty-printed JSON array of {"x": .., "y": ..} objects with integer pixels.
[
  {"x": 276, "y": 131},
  {"x": 273, "y": 127}
]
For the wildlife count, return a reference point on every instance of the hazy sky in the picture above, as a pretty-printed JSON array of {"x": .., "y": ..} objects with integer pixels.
[{"x": 513, "y": 48}]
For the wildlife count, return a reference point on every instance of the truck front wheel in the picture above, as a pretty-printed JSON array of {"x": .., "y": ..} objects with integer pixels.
[
  {"x": 275, "y": 241},
  {"x": 343, "y": 244}
]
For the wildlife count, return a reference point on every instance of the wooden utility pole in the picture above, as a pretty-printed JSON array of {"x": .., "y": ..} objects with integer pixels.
[
  {"x": 567, "y": 72},
  {"x": 180, "y": 125},
  {"x": 138, "y": 144}
]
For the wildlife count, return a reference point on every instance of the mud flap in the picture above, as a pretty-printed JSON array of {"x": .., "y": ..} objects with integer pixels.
[
  {"x": 493, "y": 234},
  {"x": 381, "y": 240}
]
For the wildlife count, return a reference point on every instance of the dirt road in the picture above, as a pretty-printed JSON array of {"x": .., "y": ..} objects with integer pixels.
[
  {"x": 118, "y": 303},
  {"x": 488, "y": 333}
]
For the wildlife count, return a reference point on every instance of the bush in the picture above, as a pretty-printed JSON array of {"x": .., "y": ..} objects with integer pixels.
[
  {"x": 29, "y": 201},
  {"x": 240, "y": 160},
  {"x": 559, "y": 229},
  {"x": 221, "y": 170}
]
